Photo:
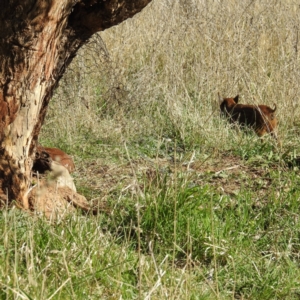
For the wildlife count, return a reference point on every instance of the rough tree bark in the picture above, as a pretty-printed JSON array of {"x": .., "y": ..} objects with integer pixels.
[{"x": 38, "y": 40}]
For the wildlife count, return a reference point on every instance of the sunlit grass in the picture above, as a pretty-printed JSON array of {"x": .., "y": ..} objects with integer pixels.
[{"x": 196, "y": 208}]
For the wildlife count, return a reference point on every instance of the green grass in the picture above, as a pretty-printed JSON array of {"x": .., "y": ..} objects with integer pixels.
[
  {"x": 174, "y": 231},
  {"x": 195, "y": 208}
]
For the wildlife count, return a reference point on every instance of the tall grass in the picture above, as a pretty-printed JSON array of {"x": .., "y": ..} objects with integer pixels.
[
  {"x": 165, "y": 67},
  {"x": 197, "y": 209}
]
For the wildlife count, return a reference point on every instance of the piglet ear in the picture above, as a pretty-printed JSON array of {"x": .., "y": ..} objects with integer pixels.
[
  {"x": 274, "y": 107},
  {"x": 236, "y": 99},
  {"x": 220, "y": 98}
]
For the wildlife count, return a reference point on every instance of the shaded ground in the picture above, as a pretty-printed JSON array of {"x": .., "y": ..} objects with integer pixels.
[{"x": 227, "y": 173}]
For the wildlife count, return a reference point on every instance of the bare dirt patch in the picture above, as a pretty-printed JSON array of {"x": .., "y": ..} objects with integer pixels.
[{"x": 227, "y": 173}]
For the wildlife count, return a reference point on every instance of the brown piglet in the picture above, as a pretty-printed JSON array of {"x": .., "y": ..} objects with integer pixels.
[
  {"x": 259, "y": 117},
  {"x": 44, "y": 156}
]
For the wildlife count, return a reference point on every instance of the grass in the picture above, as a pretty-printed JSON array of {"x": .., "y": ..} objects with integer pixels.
[{"x": 198, "y": 209}]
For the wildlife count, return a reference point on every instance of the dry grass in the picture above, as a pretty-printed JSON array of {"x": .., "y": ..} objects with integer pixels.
[
  {"x": 199, "y": 210},
  {"x": 164, "y": 68}
]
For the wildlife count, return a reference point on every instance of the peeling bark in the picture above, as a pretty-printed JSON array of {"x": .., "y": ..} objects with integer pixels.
[{"x": 38, "y": 40}]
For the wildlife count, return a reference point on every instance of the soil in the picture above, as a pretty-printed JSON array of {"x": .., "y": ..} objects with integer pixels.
[{"x": 227, "y": 174}]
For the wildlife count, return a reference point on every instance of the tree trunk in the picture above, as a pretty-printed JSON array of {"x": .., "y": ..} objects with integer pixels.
[{"x": 38, "y": 40}]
